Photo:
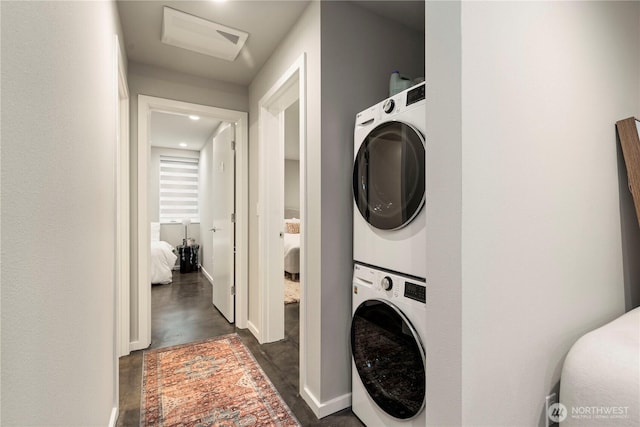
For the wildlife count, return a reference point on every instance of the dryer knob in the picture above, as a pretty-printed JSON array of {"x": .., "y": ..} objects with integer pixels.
[
  {"x": 387, "y": 283},
  {"x": 388, "y": 105}
]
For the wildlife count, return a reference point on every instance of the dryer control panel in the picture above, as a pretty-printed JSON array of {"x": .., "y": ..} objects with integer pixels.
[{"x": 416, "y": 94}]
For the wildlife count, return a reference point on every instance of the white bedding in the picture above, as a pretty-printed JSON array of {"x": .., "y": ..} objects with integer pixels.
[
  {"x": 162, "y": 261},
  {"x": 292, "y": 253},
  {"x": 600, "y": 384}
]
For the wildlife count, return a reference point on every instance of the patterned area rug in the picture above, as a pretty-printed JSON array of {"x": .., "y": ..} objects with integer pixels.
[{"x": 216, "y": 382}]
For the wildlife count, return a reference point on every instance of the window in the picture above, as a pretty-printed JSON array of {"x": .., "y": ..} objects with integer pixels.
[{"x": 178, "y": 189}]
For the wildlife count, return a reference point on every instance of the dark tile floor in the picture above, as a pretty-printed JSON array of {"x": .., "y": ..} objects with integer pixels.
[{"x": 182, "y": 312}]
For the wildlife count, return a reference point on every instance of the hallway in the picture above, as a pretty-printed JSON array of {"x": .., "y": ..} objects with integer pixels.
[{"x": 182, "y": 312}]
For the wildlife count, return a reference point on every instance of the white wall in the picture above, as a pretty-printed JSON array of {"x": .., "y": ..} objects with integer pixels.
[
  {"x": 210, "y": 158},
  {"x": 443, "y": 206},
  {"x": 205, "y": 201},
  {"x": 158, "y": 82},
  {"x": 58, "y": 200},
  {"x": 542, "y": 87}
]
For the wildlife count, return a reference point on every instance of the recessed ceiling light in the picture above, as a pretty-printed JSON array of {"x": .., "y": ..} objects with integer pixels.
[
  {"x": 183, "y": 144},
  {"x": 194, "y": 117}
]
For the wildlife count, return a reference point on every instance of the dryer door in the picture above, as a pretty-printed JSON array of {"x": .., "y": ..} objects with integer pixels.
[
  {"x": 388, "y": 175},
  {"x": 389, "y": 358}
]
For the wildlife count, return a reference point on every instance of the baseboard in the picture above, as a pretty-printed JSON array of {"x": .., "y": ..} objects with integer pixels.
[
  {"x": 322, "y": 410},
  {"x": 207, "y": 275},
  {"x": 113, "y": 419},
  {"x": 136, "y": 345},
  {"x": 252, "y": 328}
]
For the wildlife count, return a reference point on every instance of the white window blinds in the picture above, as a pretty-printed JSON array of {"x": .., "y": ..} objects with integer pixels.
[{"x": 178, "y": 189}]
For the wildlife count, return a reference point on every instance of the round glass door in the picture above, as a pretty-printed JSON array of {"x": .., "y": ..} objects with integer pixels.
[
  {"x": 389, "y": 174},
  {"x": 389, "y": 358}
]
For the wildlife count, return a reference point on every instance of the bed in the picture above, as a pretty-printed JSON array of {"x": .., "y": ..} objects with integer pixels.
[
  {"x": 600, "y": 384},
  {"x": 163, "y": 258},
  {"x": 292, "y": 247}
]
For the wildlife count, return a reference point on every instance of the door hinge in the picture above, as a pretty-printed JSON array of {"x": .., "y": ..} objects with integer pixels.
[
  {"x": 233, "y": 290},
  {"x": 233, "y": 146},
  {"x": 233, "y": 217}
]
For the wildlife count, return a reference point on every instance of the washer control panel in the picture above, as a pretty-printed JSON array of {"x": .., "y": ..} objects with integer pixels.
[
  {"x": 415, "y": 291},
  {"x": 392, "y": 284}
]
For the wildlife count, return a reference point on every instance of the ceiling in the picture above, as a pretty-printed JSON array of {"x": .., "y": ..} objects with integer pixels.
[
  {"x": 169, "y": 130},
  {"x": 266, "y": 21}
]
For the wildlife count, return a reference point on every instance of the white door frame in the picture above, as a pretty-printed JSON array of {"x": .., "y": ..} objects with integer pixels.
[
  {"x": 122, "y": 236},
  {"x": 122, "y": 206},
  {"x": 146, "y": 105},
  {"x": 291, "y": 86}
]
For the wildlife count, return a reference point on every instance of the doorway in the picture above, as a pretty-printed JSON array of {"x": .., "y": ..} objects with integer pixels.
[
  {"x": 287, "y": 91},
  {"x": 146, "y": 106},
  {"x": 292, "y": 223}
]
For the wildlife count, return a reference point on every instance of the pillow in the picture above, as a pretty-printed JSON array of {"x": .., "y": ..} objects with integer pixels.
[
  {"x": 289, "y": 221},
  {"x": 293, "y": 227},
  {"x": 155, "y": 231}
]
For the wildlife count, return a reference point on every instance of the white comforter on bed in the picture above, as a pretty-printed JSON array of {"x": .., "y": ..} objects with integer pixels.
[
  {"x": 162, "y": 261},
  {"x": 600, "y": 383},
  {"x": 292, "y": 253}
]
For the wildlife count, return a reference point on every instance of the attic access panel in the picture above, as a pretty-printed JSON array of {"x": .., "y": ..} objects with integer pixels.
[
  {"x": 629, "y": 133},
  {"x": 193, "y": 33}
]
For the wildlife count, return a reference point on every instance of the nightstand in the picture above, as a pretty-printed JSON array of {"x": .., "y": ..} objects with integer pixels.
[{"x": 188, "y": 257}]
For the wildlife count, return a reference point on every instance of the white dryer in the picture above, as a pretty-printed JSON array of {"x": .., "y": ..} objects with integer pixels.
[
  {"x": 388, "y": 357},
  {"x": 389, "y": 221}
]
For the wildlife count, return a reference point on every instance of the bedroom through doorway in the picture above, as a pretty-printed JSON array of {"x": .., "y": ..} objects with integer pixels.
[
  {"x": 180, "y": 158},
  {"x": 292, "y": 221}
]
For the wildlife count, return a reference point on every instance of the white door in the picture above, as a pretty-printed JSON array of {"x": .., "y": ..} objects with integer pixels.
[{"x": 223, "y": 225}]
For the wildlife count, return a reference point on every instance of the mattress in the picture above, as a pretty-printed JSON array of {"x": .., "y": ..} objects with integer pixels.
[{"x": 292, "y": 253}]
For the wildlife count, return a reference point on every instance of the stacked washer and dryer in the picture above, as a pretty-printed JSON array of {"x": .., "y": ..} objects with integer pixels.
[{"x": 389, "y": 251}]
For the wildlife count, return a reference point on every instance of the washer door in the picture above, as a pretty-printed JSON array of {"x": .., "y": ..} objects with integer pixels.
[
  {"x": 388, "y": 175},
  {"x": 389, "y": 358}
]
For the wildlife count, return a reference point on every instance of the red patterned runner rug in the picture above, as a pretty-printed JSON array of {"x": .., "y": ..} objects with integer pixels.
[{"x": 216, "y": 382}]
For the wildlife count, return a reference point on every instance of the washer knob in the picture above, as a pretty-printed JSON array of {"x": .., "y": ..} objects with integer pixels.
[
  {"x": 388, "y": 106},
  {"x": 387, "y": 283}
]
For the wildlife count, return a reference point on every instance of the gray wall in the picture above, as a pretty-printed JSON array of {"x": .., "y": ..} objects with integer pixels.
[
  {"x": 292, "y": 184},
  {"x": 153, "y": 81},
  {"x": 58, "y": 213},
  {"x": 303, "y": 38},
  {"x": 350, "y": 83},
  {"x": 381, "y": 47},
  {"x": 292, "y": 157}
]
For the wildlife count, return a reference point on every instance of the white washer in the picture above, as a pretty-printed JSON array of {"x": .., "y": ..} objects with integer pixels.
[
  {"x": 389, "y": 222},
  {"x": 388, "y": 356}
]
